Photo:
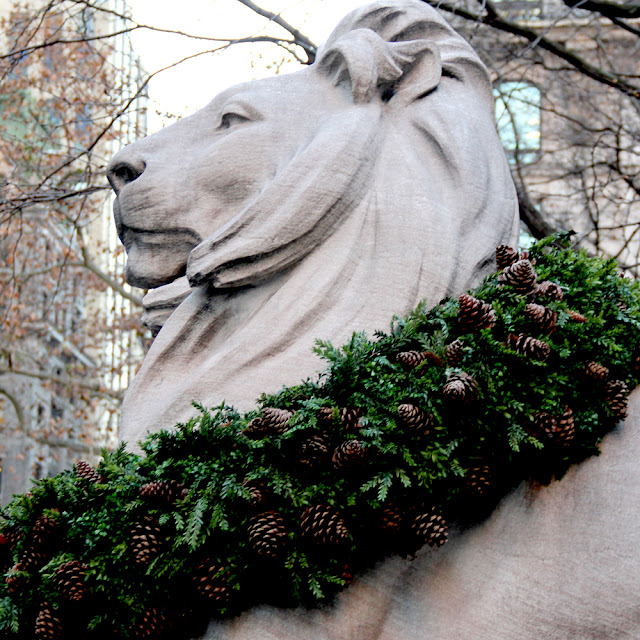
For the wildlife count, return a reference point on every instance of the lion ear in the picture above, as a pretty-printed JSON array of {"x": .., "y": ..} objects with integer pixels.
[
  {"x": 371, "y": 68},
  {"x": 420, "y": 75}
]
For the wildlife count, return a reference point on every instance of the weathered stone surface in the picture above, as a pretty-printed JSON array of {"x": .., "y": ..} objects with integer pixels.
[
  {"x": 552, "y": 563},
  {"x": 310, "y": 206}
]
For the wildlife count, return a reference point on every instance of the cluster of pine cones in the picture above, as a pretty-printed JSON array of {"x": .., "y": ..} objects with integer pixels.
[
  {"x": 336, "y": 446},
  {"x": 69, "y": 579},
  {"x": 518, "y": 273},
  {"x": 322, "y": 525}
]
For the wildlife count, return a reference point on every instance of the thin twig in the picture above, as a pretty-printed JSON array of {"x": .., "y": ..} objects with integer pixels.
[{"x": 580, "y": 64}]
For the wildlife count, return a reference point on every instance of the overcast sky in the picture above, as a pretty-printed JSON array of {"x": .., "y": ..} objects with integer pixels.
[{"x": 192, "y": 84}]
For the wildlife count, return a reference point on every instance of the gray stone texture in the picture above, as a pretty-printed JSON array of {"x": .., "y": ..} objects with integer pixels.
[{"x": 310, "y": 206}]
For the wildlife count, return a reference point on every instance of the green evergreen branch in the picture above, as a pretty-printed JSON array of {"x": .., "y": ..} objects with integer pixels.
[{"x": 224, "y": 506}]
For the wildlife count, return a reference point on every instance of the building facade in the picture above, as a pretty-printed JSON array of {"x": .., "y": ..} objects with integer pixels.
[
  {"x": 69, "y": 341},
  {"x": 573, "y": 142}
]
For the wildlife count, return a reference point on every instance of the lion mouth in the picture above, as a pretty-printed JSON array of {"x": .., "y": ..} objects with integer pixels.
[
  {"x": 155, "y": 257},
  {"x": 157, "y": 239}
]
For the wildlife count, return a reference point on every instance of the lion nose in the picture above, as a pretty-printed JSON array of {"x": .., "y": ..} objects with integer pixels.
[{"x": 121, "y": 171}]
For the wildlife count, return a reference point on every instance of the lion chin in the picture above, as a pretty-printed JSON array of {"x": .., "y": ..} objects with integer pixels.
[
  {"x": 160, "y": 303},
  {"x": 309, "y": 206}
]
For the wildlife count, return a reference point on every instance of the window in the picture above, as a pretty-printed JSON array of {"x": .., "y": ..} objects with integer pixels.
[
  {"x": 518, "y": 120},
  {"x": 520, "y": 9}
]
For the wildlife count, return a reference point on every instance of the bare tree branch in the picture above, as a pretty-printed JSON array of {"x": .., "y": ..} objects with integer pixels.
[
  {"x": 607, "y": 9},
  {"x": 494, "y": 20},
  {"x": 538, "y": 226},
  {"x": 107, "y": 36},
  {"x": 64, "y": 381},
  {"x": 47, "y": 196},
  {"x": 301, "y": 40},
  {"x": 139, "y": 91},
  {"x": 626, "y": 26},
  {"x": 113, "y": 284}
]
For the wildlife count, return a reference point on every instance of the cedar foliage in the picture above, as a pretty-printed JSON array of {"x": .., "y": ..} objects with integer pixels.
[{"x": 212, "y": 520}]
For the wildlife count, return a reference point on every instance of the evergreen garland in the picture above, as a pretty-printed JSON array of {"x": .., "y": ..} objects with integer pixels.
[{"x": 403, "y": 435}]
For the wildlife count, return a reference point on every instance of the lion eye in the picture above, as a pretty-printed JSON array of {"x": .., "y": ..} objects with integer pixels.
[{"x": 231, "y": 119}]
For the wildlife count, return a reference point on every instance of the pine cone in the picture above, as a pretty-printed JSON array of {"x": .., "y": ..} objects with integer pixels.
[
  {"x": 416, "y": 421},
  {"x": 69, "y": 580},
  {"x": 323, "y": 525},
  {"x": 48, "y": 625},
  {"x": 44, "y": 528},
  {"x": 13, "y": 535},
  {"x": 314, "y": 451},
  {"x": 544, "y": 426},
  {"x": 460, "y": 387},
  {"x": 276, "y": 420},
  {"x": 505, "y": 256},
  {"x": 544, "y": 319},
  {"x": 531, "y": 347},
  {"x": 575, "y": 316},
  {"x": 211, "y": 581},
  {"x": 350, "y": 419},
  {"x": 146, "y": 541},
  {"x": 84, "y": 471},
  {"x": 391, "y": 519},
  {"x": 46, "y": 524},
  {"x": 521, "y": 276},
  {"x": 32, "y": 557},
  {"x": 268, "y": 534},
  {"x": 151, "y": 624},
  {"x": 272, "y": 422},
  {"x": 565, "y": 428},
  {"x": 432, "y": 358},
  {"x": 163, "y": 492},
  {"x": 550, "y": 290},
  {"x": 259, "y": 492},
  {"x": 479, "y": 480},
  {"x": 616, "y": 393},
  {"x": 351, "y": 454},
  {"x": 454, "y": 352},
  {"x": 410, "y": 359},
  {"x": 596, "y": 371},
  {"x": 325, "y": 417},
  {"x": 255, "y": 429},
  {"x": 431, "y": 528},
  {"x": 475, "y": 314},
  {"x": 17, "y": 579}
]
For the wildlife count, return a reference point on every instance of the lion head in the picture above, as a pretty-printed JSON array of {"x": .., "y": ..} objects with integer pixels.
[{"x": 309, "y": 206}]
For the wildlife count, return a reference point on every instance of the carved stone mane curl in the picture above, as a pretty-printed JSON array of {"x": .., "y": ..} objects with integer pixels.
[{"x": 397, "y": 191}]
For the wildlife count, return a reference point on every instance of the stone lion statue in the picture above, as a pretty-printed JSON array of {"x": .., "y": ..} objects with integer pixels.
[{"x": 309, "y": 206}]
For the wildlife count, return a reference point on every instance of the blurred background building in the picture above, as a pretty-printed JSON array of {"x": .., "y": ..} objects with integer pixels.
[
  {"x": 69, "y": 341},
  {"x": 573, "y": 144}
]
